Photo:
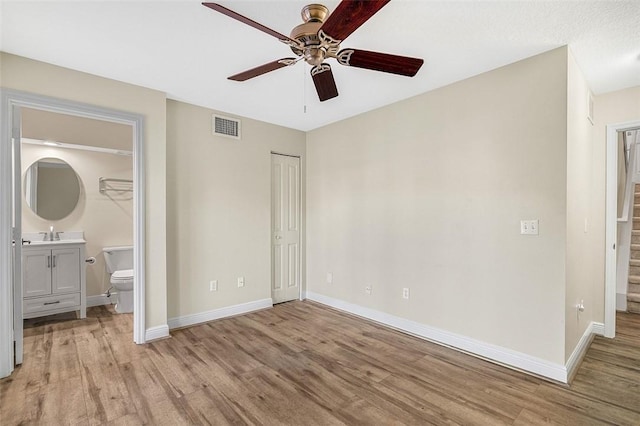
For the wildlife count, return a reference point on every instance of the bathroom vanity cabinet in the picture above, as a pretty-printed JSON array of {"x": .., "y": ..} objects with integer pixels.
[{"x": 53, "y": 278}]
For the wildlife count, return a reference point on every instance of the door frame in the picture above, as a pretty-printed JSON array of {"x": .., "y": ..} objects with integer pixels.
[
  {"x": 301, "y": 239},
  {"x": 13, "y": 98},
  {"x": 16, "y": 211},
  {"x": 611, "y": 224}
]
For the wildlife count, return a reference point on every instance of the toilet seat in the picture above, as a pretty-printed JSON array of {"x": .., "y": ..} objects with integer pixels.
[
  {"x": 122, "y": 280},
  {"x": 124, "y": 275}
]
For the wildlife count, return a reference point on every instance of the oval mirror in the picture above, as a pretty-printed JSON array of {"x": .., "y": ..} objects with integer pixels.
[{"x": 51, "y": 188}]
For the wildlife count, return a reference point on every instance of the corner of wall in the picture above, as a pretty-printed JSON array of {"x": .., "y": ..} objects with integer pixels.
[{"x": 584, "y": 257}]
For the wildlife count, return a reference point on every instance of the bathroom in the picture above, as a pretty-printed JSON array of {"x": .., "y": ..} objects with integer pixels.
[{"x": 92, "y": 164}]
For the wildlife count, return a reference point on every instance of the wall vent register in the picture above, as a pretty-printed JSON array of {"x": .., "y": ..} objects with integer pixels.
[{"x": 225, "y": 126}]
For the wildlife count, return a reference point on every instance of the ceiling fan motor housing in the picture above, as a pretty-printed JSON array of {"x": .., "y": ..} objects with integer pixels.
[{"x": 306, "y": 33}]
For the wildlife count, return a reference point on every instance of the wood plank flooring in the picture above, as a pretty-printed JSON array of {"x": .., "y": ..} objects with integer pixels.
[{"x": 299, "y": 363}]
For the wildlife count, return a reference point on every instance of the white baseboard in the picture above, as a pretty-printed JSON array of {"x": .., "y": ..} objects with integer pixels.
[
  {"x": 597, "y": 328},
  {"x": 215, "y": 314},
  {"x": 100, "y": 300},
  {"x": 621, "y": 302},
  {"x": 155, "y": 333},
  {"x": 583, "y": 345},
  {"x": 498, "y": 354}
]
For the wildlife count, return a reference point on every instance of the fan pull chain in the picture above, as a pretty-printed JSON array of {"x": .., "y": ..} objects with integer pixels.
[{"x": 304, "y": 89}]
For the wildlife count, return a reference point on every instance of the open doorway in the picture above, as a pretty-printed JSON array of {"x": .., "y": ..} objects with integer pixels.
[
  {"x": 14, "y": 105},
  {"x": 623, "y": 173},
  {"x": 77, "y": 201}
]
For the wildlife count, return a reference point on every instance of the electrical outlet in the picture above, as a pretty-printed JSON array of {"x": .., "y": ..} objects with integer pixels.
[
  {"x": 329, "y": 278},
  {"x": 529, "y": 227},
  {"x": 240, "y": 281},
  {"x": 213, "y": 285},
  {"x": 368, "y": 289},
  {"x": 405, "y": 293}
]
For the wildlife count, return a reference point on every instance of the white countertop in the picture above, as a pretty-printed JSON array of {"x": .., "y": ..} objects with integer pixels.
[{"x": 66, "y": 237}]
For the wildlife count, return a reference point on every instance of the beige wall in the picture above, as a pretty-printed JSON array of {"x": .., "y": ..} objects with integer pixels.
[
  {"x": 219, "y": 208},
  {"x": 428, "y": 194},
  {"x": 44, "y": 79},
  {"x": 585, "y": 255},
  {"x": 46, "y": 125}
]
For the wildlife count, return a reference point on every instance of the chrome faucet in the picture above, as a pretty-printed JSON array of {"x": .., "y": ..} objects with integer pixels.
[{"x": 51, "y": 235}]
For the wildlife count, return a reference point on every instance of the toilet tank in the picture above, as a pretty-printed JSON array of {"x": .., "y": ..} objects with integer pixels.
[{"x": 118, "y": 258}]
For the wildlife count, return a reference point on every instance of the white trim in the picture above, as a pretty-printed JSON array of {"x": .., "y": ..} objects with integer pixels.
[
  {"x": 139, "y": 234},
  {"x": 597, "y": 328},
  {"x": 581, "y": 348},
  {"x": 621, "y": 302},
  {"x": 228, "y": 311},
  {"x": 41, "y": 142},
  {"x": 101, "y": 299},
  {"x": 158, "y": 332},
  {"x": 6, "y": 290},
  {"x": 611, "y": 224},
  {"x": 11, "y": 98},
  {"x": 498, "y": 354},
  {"x": 16, "y": 209}
]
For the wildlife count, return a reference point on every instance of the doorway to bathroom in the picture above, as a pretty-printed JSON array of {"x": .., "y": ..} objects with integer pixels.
[{"x": 19, "y": 108}]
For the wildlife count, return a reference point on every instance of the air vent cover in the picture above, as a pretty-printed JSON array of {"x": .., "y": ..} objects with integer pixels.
[{"x": 225, "y": 126}]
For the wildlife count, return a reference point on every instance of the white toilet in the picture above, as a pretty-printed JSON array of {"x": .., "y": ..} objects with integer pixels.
[{"x": 119, "y": 263}]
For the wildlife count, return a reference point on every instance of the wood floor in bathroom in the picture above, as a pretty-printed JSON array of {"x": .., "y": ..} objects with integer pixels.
[{"x": 299, "y": 363}]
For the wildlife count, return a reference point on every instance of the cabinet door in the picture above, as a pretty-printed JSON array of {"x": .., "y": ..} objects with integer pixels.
[
  {"x": 36, "y": 273},
  {"x": 65, "y": 277}
]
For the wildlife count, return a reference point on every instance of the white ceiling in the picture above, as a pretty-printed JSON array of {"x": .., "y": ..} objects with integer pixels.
[{"x": 187, "y": 50}]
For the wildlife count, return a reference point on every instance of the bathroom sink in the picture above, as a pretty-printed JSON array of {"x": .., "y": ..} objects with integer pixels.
[{"x": 69, "y": 237}]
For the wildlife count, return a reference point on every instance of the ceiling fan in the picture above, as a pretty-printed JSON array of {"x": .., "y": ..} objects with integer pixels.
[{"x": 319, "y": 38}]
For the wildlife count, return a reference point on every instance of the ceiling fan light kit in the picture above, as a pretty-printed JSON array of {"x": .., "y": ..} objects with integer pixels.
[{"x": 318, "y": 38}]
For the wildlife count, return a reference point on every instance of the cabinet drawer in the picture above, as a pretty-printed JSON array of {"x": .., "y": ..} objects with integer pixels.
[{"x": 50, "y": 303}]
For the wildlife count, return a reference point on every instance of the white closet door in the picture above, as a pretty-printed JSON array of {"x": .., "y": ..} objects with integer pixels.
[{"x": 285, "y": 228}]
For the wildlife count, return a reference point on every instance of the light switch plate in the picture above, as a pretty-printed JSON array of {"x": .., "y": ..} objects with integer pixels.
[{"x": 529, "y": 227}]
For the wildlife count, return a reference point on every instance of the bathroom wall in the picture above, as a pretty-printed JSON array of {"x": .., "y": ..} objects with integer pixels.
[{"x": 106, "y": 219}]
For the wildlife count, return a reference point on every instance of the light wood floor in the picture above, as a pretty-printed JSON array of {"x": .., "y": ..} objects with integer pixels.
[{"x": 299, "y": 364}]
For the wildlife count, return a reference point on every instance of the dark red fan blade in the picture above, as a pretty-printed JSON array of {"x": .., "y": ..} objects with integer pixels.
[
  {"x": 262, "y": 69},
  {"x": 325, "y": 84},
  {"x": 349, "y": 15},
  {"x": 245, "y": 20},
  {"x": 377, "y": 61}
]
